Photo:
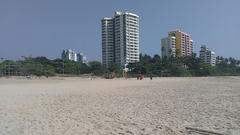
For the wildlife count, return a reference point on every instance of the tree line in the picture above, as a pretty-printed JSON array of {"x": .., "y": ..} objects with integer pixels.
[
  {"x": 42, "y": 66},
  {"x": 148, "y": 66},
  {"x": 184, "y": 66}
]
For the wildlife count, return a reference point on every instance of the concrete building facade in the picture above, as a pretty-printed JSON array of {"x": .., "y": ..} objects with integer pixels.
[
  {"x": 108, "y": 47},
  {"x": 168, "y": 47},
  {"x": 184, "y": 43},
  {"x": 69, "y": 55},
  {"x": 207, "y": 56},
  {"x": 81, "y": 58},
  {"x": 120, "y": 39}
]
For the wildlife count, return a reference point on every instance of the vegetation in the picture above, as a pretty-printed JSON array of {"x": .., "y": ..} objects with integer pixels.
[
  {"x": 184, "y": 66},
  {"x": 149, "y": 66}
]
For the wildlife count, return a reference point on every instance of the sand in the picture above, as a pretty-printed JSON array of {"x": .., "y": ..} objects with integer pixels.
[{"x": 75, "y": 106}]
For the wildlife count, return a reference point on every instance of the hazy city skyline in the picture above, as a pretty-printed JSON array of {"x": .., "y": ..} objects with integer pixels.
[{"x": 44, "y": 28}]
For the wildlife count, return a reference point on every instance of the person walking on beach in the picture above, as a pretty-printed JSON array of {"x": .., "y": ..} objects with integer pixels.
[
  {"x": 138, "y": 75},
  {"x": 151, "y": 77}
]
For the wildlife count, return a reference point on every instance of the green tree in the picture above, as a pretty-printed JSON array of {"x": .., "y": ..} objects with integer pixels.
[{"x": 97, "y": 68}]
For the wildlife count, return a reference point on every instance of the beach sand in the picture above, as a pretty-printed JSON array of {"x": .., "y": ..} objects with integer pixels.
[{"x": 77, "y": 106}]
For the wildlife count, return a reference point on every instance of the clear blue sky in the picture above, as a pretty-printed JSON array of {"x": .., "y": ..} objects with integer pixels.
[{"x": 46, "y": 27}]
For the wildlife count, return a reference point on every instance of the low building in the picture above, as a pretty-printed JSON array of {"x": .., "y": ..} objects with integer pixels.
[
  {"x": 207, "y": 56},
  {"x": 69, "y": 55},
  {"x": 81, "y": 58},
  {"x": 73, "y": 56}
]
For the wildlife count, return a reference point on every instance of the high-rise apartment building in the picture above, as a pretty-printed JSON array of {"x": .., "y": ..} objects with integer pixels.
[
  {"x": 108, "y": 47},
  {"x": 120, "y": 39},
  {"x": 168, "y": 47},
  {"x": 207, "y": 56},
  {"x": 183, "y": 43}
]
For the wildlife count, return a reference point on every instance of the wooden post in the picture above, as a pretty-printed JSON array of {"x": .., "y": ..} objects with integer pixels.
[{"x": 200, "y": 131}]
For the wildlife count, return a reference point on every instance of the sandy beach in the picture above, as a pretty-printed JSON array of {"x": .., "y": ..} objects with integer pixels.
[{"x": 77, "y": 106}]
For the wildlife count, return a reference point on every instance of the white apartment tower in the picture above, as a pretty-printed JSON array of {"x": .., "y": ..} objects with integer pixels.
[
  {"x": 108, "y": 47},
  {"x": 168, "y": 47},
  {"x": 120, "y": 39},
  {"x": 207, "y": 56}
]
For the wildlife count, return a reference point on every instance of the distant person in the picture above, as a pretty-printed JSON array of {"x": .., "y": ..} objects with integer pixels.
[
  {"x": 91, "y": 76},
  {"x": 151, "y": 77},
  {"x": 138, "y": 76}
]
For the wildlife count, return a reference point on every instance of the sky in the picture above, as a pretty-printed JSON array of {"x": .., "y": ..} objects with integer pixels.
[{"x": 46, "y": 27}]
